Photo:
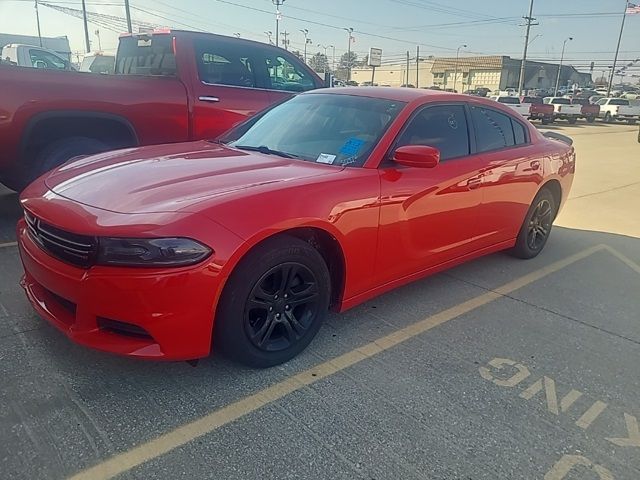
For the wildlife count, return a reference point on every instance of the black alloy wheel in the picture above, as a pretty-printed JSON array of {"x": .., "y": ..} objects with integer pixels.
[
  {"x": 281, "y": 307},
  {"x": 274, "y": 303},
  {"x": 540, "y": 225},
  {"x": 536, "y": 227}
]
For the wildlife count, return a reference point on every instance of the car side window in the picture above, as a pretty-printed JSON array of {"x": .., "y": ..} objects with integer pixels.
[
  {"x": 51, "y": 61},
  {"x": 223, "y": 64},
  {"x": 519, "y": 133},
  {"x": 285, "y": 75},
  {"x": 443, "y": 127},
  {"x": 493, "y": 129}
]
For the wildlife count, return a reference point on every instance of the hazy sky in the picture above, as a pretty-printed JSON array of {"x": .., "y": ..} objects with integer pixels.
[{"x": 439, "y": 27}]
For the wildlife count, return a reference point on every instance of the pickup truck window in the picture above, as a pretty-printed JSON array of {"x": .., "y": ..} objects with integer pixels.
[
  {"x": 532, "y": 100},
  {"x": 561, "y": 101},
  {"x": 140, "y": 55},
  {"x": 618, "y": 101},
  {"x": 509, "y": 100},
  {"x": 284, "y": 75},
  {"x": 42, "y": 59},
  {"x": 221, "y": 63}
]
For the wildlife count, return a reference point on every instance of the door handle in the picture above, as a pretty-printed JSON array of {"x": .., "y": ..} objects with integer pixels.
[
  {"x": 474, "y": 182},
  {"x": 209, "y": 99},
  {"x": 535, "y": 165}
]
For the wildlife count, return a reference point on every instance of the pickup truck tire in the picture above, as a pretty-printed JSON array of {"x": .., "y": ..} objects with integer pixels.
[
  {"x": 591, "y": 119},
  {"x": 572, "y": 120},
  {"x": 631, "y": 122},
  {"x": 54, "y": 155},
  {"x": 607, "y": 117},
  {"x": 546, "y": 121}
]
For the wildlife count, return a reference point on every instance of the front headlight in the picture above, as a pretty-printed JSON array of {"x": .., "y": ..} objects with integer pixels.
[{"x": 150, "y": 252}]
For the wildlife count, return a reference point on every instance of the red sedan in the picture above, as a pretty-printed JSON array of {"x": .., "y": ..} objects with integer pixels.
[{"x": 324, "y": 201}]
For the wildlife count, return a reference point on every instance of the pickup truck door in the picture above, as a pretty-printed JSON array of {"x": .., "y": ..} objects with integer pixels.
[{"x": 229, "y": 88}]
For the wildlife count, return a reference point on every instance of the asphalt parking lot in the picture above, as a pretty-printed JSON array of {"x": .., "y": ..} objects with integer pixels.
[{"x": 498, "y": 369}]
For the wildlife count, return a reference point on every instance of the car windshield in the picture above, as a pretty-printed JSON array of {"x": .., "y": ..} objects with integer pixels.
[{"x": 322, "y": 128}]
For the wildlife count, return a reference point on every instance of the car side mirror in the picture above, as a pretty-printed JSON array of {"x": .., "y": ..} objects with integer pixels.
[{"x": 419, "y": 156}]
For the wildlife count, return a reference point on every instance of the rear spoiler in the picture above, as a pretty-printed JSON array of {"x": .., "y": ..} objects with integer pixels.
[{"x": 558, "y": 136}]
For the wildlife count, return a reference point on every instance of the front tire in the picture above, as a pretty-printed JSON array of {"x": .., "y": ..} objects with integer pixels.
[
  {"x": 274, "y": 303},
  {"x": 536, "y": 227}
]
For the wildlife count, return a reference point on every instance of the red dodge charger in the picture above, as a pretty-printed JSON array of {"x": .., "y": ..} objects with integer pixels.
[{"x": 245, "y": 243}]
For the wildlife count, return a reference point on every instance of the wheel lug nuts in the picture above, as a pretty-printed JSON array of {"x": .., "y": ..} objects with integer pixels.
[
  {"x": 286, "y": 296},
  {"x": 271, "y": 309},
  {"x": 275, "y": 296},
  {"x": 277, "y": 315},
  {"x": 286, "y": 307}
]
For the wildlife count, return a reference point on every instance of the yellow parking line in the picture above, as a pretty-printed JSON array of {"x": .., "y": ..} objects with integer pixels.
[
  {"x": 180, "y": 436},
  {"x": 630, "y": 263},
  {"x": 9, "y": 244}
]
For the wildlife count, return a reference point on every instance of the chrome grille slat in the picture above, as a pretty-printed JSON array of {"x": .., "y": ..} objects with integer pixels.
[{"x": 78, "y": 250}]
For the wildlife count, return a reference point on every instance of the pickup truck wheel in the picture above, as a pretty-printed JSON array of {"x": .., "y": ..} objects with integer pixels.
[
  {"x": 572, "y": 120},
  {"x": 546, "y": 121},
  {"x": 591, "y": 119},
  {"x": 53, "y": 155},
  {"x": 607, "y": 117},
  {"x": 273, "y": 304},
  {"x": 631, "y": 122}
]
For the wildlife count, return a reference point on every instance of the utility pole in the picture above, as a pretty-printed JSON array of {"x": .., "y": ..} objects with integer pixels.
[
  {"x": 127, "y": 12},
  {"x": 407, "y": 84},
  {"x": 333, "y": 60},
  {"x": 38, "y": 22},
  {"x": 278, "y": 4},
  {"x": 86, "y": 28},
  {"x": 455, "y": 70},
  {"x": 349, "y": 31},
  {"x": 285, "y": 42},
  {"x": 417, "y": 66},
  {"x": 529, "y": 20},
  {"x": 615, "y": 59}
]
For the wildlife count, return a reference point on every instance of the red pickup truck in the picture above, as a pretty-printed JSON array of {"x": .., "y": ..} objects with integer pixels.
[
  {"x": 538, "y": 110},
  {"x": 589, "y": 111},
  {"x": 169, "y": 86}
]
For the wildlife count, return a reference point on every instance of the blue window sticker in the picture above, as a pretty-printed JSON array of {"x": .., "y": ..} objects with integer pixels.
[{"x": 352, "y": 147}]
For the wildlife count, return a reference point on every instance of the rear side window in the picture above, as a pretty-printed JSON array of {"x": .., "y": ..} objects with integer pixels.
[
  {"x": 443, "y": 127},
  {"x": 286, "y": 74},
  {"x": 561, "y": 101},
  {"x": 519, "y": 134},
  {"x": 619, "y": 101},
  {"x": 509, "y": 100},
  {"x": 493, "y": 129},
  {"x": 222, "y": 63},
  {"x": 146, "y": 55}
]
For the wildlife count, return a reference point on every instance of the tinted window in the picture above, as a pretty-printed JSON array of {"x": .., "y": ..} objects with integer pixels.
[
  {"x": 561, "y": 101},
  {"x": 42, "y": 59},
  {"x": 618, "y": 101},
  {"x": 493, "y": 129},
  {"x": 532, "y": 100},
  {"x": 286, "y": 75},
  {"x": 225, "y": 63},
  {"x": 519, "y": 134},
  {"x": 509, "y": 100},
  {"x": 443, "y": 127},
  {"x": 146, "y": 55}
]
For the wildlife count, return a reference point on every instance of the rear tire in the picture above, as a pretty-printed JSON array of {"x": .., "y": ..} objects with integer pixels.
[
  {"x": 546, "y": 121},
  {"x": 591, "y": 119},
  {"x": 536, "y": 228},
  {"x": 631, "y": 122},
  {"x": 572, "y": 120},
  {"x": 607, "y": 117},
  {"x": 273, "y": 304}
]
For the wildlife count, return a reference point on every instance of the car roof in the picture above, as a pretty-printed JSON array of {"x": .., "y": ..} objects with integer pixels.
[{"x": 391, "y": 93}]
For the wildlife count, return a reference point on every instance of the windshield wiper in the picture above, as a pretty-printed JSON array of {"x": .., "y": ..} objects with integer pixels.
[{"x": 266, "y": 150}]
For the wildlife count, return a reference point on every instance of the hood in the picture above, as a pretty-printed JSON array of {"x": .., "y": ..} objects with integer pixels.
[{"x": 170, "y": 178}]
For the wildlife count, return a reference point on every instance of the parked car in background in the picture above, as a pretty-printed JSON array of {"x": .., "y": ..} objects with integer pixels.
[
  {"x": 563, "y": 109},
  {"x": 34, "y": 57},
  {"x": 618, "y": 109},
  {"x": 513, "y": 103},
  {"x": 165, "y": 252},
  {"x": 588, "y": 111},
  {"x": 169, "y": 86},
  {"x": 538, "y": 110},
  {"x": 98, "y": 63}
]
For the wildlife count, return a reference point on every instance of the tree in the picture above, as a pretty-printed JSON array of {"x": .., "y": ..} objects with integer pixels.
[
  {"x": 345, "y": 62},
  {"x": 319, "y": 63}
]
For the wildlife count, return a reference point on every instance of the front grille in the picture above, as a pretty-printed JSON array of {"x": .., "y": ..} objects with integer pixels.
[{"x": 78, "y": 250}]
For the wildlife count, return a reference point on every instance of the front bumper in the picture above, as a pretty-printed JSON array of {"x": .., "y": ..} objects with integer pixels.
[{"x": 174, "y": 307}]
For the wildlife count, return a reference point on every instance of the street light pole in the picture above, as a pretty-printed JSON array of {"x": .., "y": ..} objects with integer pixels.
[
  {"x": 278, "y": 3},
  {"x": 38, "y": 22},
  {"x": 325, "y": 47},
  {"x": 555, "y": 93},
  {"x": 333, "y": 59},
  {"x": 305, "y": 32},
  {"x": 455, "y": 74},
  {"x": 127, "y": 12},
  {"x": 349, "y": 31}
]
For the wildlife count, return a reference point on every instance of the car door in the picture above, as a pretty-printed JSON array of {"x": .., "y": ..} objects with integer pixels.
[
  {"x": 511, "y": 177},
  {"x": 429, "y": 215},
  {"x": 230, "y": 87}
]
